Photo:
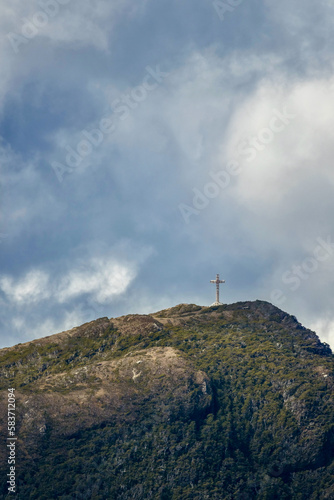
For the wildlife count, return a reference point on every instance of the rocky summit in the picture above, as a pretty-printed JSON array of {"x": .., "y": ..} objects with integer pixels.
[{"x": 224, "y": 402}]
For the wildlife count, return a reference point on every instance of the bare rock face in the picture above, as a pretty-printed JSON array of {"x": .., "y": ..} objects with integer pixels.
[
  {"x": 158, "y": 379},
  {"x": 137, "y": 323},
  {"x": 232, "y": 401}
]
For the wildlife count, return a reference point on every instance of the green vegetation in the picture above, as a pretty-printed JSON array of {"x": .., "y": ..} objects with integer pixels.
[{"x": 230, "y": 402}]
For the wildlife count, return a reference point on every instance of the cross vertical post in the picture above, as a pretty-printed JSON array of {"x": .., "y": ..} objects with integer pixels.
[{"x": 217, "y": 281}]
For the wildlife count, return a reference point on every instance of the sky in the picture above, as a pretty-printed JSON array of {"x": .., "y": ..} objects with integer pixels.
[{"x": 146, "y": 146}]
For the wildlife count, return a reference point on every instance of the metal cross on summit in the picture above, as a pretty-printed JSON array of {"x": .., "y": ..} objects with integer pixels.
[{"x": 217, "y": 281}]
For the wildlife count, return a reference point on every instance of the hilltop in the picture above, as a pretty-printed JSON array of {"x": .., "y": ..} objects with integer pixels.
[{"x": 223, "y": 402}]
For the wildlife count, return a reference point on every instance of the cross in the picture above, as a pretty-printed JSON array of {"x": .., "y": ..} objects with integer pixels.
[{"x": 217, "y": 281}]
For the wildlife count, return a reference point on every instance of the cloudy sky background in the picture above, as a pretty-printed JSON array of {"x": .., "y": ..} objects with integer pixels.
[{"x": 185, "y": 93}]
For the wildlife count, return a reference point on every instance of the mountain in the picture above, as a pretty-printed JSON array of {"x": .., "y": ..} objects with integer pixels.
[{"x": 227, "y": 402}]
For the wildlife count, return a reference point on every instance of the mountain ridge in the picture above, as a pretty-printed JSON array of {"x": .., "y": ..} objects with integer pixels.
[{"x": 171, "y": 315}]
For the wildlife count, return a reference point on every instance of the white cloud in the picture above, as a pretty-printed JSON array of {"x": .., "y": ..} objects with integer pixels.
[
  {"x": 325, "y": 329},
  {"x": 297, "y": 161},
  {"x": 33, "y": 287},
  {"x": 38, "y": 304},
  {"x": 77, "y": 23},
  {"x": 298, "y": 18},
  {"x": 102, "y": 279}
]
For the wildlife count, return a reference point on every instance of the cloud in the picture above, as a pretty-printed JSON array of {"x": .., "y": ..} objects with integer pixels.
[
  {"x": 26, "y": 331},
  {"x": 325, "y": 329},
  {"x": 33, "y": 287},
  {"x": 102, "y": 280},
  {"x": 286, "y": 175},
  {"x": 27, "y": 197},
  {"x": 65, "y": 21},
  {"x": 42, "y": 302}
]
